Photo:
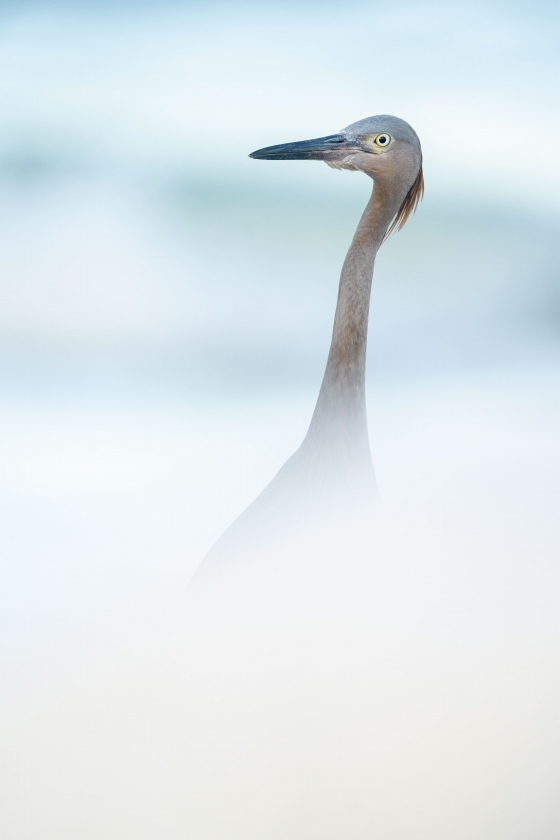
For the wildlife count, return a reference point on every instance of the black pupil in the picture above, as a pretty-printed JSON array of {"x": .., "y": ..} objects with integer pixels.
[{"x": 383, "y": 139}]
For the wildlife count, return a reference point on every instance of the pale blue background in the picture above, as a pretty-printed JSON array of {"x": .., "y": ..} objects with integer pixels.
[{"x": 166, "y": 302}]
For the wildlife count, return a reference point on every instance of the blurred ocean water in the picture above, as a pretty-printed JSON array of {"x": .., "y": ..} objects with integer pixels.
[
  {"x": 137, "y": 227},
  {"x": 165, "y": 314}
]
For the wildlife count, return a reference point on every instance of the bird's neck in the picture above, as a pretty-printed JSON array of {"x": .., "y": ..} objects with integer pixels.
[{"x": 340, "y": 413}]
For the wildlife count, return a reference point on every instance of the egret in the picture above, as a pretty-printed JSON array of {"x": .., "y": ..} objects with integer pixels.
[{"x": 333, "y": 466}]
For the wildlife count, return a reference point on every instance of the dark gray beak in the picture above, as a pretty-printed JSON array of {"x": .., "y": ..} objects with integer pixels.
[{"x": 333, "y": 147}]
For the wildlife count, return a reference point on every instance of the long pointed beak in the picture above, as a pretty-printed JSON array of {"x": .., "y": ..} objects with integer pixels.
[{"x": 323, "y": 148}]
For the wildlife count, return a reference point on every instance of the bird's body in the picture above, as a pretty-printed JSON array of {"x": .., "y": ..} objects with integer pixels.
[{"x": 332, "y": 472}]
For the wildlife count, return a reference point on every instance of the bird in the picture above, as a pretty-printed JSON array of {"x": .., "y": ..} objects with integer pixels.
[{"x": 332, "y": 471}]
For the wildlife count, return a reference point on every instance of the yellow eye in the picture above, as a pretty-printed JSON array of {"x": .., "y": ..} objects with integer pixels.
[{"x": 382, "y": 140}]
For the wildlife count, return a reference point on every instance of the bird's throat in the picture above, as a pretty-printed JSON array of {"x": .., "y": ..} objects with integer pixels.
[{"x": 339, "y": 421}]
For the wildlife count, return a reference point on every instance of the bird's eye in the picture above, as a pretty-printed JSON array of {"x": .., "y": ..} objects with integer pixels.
[{"x": 382, "y": 140}]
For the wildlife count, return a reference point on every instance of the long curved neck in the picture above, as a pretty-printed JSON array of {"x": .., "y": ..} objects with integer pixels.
[{"x": 340, "y": 413}]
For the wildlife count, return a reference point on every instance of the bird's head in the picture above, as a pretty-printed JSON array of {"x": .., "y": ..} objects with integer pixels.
[{"x": 384, "y": 147}]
